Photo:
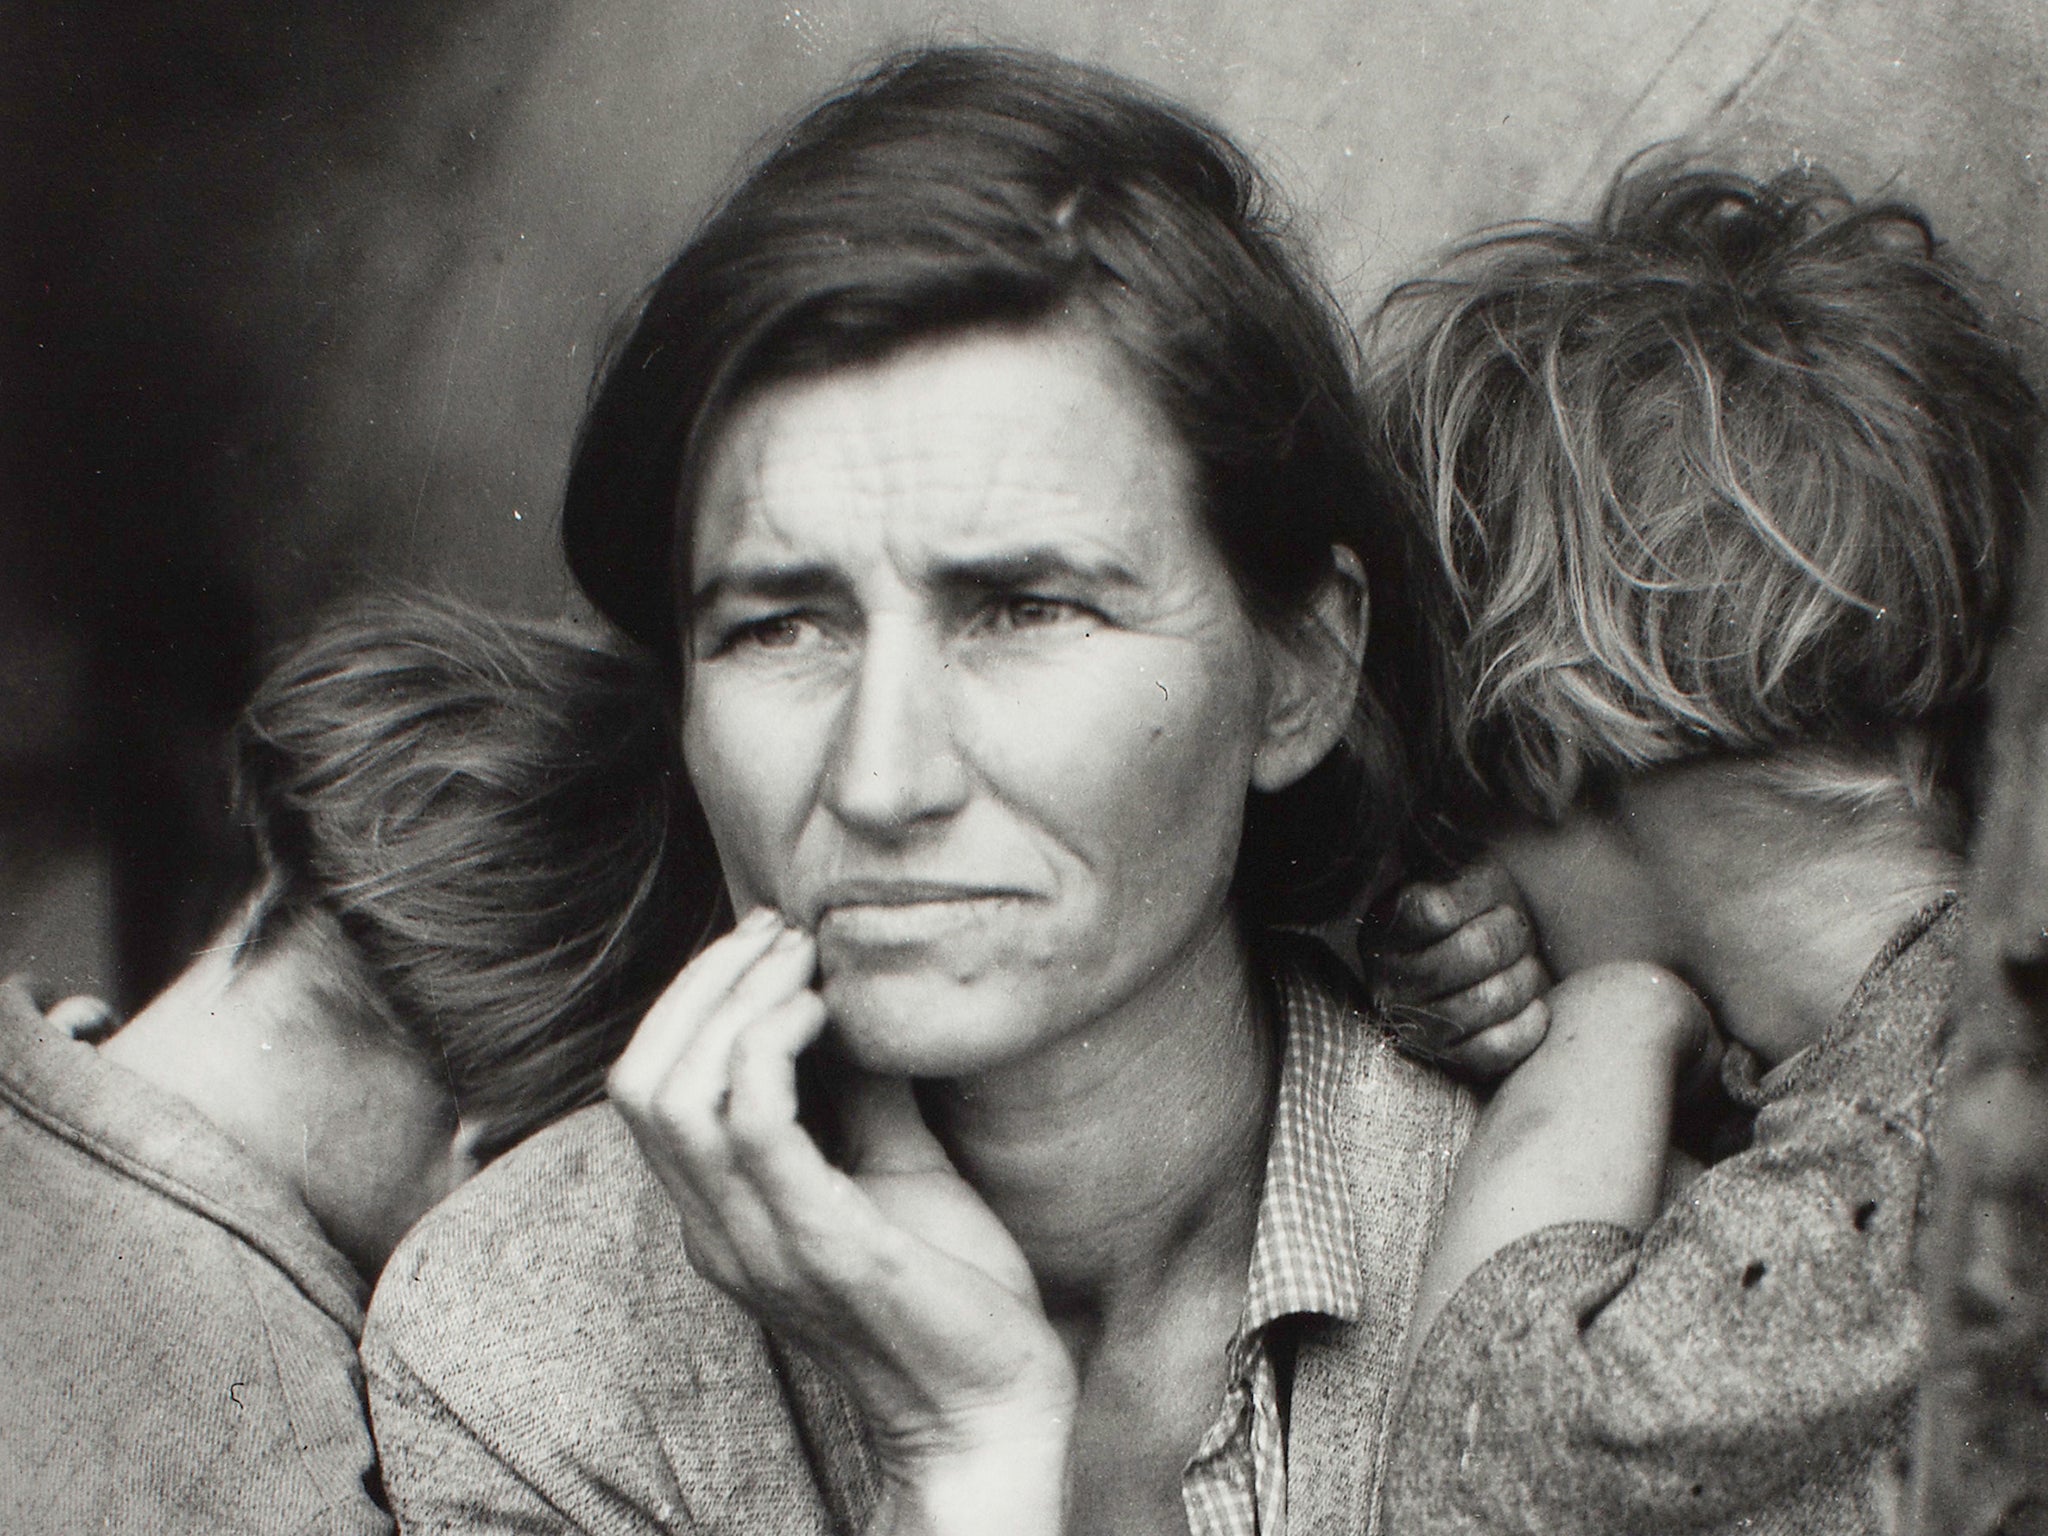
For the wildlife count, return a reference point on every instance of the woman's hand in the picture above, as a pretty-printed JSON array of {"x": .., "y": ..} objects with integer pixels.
[
  {"x": 894, "y": 1275},
  {"x": 1454, "y": 965}
]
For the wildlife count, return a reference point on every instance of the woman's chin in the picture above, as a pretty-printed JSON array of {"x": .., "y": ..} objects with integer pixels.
[{"x": 921, "y": 1024}]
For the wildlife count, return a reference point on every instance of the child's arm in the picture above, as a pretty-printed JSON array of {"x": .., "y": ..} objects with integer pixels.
[
  {"x": 1455, "y": 967},
  {"x": 1750, "y": 1354},
  {"x": 1579, "y": 1132}
]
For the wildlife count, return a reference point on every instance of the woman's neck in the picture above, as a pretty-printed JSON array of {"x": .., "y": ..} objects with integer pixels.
[
  {"x": 1773, "y": 906},
  {"x": 1127, "y": 1159}
]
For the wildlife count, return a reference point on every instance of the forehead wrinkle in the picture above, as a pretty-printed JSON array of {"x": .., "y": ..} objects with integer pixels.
[
  {"x": 1034, "y": 499},
  {"x": 983, "y": 475}
]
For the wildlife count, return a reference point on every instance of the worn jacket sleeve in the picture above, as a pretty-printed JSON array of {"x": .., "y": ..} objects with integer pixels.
[
  {"x": 1752, "y": 1351},
  {"x": 540, "y": 1357},
  {"x": 486, "y": 1424},
  {"x": 442, "y": 1475}
]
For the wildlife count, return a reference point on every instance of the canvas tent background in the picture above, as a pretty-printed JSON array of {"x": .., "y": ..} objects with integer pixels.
[{"x": 302, "y": 293}]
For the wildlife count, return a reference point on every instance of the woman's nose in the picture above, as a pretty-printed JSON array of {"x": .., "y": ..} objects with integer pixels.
[{"x": 895, "y": 766}]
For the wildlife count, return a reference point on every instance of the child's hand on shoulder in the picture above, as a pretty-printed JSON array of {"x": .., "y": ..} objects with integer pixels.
[{"x": 1454, "y": 966}]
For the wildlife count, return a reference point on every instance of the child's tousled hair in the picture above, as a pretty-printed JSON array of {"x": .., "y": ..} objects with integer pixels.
[
  {"x": 469, "y": 822},
  {"x": 1735, "y": 467}
]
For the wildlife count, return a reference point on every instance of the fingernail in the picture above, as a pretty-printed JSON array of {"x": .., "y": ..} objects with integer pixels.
[{"x": 759, "y": 919}]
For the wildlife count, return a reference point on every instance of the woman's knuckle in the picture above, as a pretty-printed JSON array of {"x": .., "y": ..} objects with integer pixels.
[
  {"x": 744, "y": 1059},
  {"x": 686, "y": 1126},
  {"x": 752, "y": 1130},
  {"x": 729, "y": 1275}
]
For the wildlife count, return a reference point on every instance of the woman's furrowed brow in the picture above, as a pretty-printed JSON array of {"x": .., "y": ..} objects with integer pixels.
[
  {"x": 999, "y": 572},
  {"x": 769, "y": 583},
  {"x": 1011, "y": 569}
]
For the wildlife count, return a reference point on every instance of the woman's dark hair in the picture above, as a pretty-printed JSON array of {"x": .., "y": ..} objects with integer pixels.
[
  {"x": 957, "y": 188},
  {"x": 483, "y": 812},
  {"x": 1736, "y": 467}
]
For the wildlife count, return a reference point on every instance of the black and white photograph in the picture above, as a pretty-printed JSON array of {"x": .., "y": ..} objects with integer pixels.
[{"x": 1024, "y": 768}]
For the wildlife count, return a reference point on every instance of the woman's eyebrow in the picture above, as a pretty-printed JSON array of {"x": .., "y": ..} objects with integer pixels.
[
  {"x": 1026, "y": 567},
  {"x": 770, "y": 583}
]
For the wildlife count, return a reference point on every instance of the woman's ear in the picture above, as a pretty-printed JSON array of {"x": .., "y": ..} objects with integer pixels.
[{"x": 1313, "y": 675}]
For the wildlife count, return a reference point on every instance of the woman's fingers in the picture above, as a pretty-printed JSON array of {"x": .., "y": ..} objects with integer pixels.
[
  {"x": 676, "y": 1090},
  {"x": 702, "y": 1069},
  {"x": 760, "y": 1068},
  {"x": 683, "y": 1078},
  {"x": 687, "y": 1002},
  {"x": 898, "y": 1278},
  {"x": 769, "y": 1148}
]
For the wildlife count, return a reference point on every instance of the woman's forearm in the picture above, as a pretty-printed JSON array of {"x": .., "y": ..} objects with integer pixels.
[{"x": 1579, "y": 1132}]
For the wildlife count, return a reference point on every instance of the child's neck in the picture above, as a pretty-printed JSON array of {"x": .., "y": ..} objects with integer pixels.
[
  {"x": 1772, "y": 904},
  {"x": 351, "y": 1123}
]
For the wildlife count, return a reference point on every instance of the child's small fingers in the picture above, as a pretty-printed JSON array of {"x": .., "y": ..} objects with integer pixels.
[
  {"x": 1493, "y": 941},
  {"x": 1423, "y": 913},
  {"x": 1439, "y": 1026},
  {"x": 1497, "y": 998},
  {"x": 1426, "y": 911},
  {"x": 81, "y": 1017},
  {"x": 1498, "y": 1050}
]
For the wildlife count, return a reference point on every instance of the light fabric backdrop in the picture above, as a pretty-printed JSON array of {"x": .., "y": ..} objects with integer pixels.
[
  {"x": 317, "y": 288},
  {"x": 509, "y": 207}
]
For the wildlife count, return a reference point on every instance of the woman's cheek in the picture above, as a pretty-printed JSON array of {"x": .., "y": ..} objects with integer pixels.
[
  {"x": 1149, "y": 741},
  {"x": 745, "y": 760}
]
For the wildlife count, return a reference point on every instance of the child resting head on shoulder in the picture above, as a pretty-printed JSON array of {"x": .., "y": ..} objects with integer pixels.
[
  {"x": 1729, "y": 482},
  {"x": 473, "y": 882}
]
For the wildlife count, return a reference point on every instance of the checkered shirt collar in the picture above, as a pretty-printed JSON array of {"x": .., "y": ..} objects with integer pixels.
[{"x": 1305, "y": 1251}]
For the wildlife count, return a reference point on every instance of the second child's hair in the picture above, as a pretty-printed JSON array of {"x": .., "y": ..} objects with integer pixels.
[
  {"x": 1736, "y": 467},
  {"x": 473, "y": 820}
]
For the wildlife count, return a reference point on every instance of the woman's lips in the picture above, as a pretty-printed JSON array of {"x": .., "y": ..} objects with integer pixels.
[{"x": 898, "y": 916}]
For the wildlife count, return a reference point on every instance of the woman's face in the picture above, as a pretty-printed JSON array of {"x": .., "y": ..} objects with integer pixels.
[{"x": 970, "y": 693}]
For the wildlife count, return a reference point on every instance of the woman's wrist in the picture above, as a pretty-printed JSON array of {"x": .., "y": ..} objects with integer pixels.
[{"x": 998, "y": 1472}]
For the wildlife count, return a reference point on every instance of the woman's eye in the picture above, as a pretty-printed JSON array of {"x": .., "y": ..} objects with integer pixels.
[
  {"x": 1032, "y": 611},
  {"x": 775, "y": 632}
]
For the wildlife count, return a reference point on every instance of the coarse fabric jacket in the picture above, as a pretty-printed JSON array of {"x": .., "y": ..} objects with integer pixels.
[
  {"x": 1747, "y": 1363},
  {"x": 177, "y": 1337},
  {"x": 542, "y": 1358}
]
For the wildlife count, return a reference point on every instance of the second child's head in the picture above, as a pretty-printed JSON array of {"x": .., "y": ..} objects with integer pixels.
[
  {"x": 469, "y": 839},
  {"x": 1737, "y": 467}
]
